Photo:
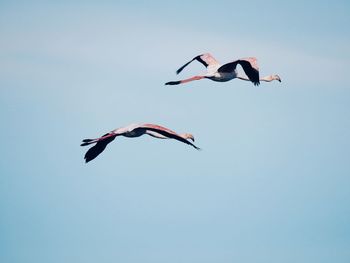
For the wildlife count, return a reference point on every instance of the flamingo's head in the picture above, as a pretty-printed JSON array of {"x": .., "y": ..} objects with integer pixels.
[
  {"x": 276, "y": 77},
  {"x": 188, "y": 136}
]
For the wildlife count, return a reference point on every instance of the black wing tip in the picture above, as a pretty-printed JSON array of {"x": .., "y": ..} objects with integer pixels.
[
  {"x": 184, "y": 66},
  {"x": 173, "y": 83},
  {"x": 97, "y": 149},
  {"x": 88, "y": 157},
  {"x": 91, "y": 154}
]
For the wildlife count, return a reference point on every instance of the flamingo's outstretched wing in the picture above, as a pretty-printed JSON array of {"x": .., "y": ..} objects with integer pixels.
[
  {"x": 249, "y": 65},
  {"x": 166, "y": 133},
  {"x": 206, "y": 59}
]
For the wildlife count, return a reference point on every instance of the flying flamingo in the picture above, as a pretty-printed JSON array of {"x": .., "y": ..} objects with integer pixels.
[
  {"x": 226, "y": 72},
  {"x": 134, "y": 130}
]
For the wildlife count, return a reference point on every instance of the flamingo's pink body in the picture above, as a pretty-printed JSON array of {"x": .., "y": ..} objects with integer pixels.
[
  {"x": 226, "y": 72},
  {"x": 131, "y": 131}
]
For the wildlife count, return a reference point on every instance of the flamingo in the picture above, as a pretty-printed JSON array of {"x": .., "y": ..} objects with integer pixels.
[
  {"x": 133, "y": 130},
  {"x": 226, "y": 72}
]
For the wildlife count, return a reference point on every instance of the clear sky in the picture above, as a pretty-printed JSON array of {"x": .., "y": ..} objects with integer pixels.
[{"x": 272, "y": 183}]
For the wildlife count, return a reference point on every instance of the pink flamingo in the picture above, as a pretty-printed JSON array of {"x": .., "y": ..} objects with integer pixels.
[
  {"x": 134, "y": 130},
  {"x": 226, "y": 72}
]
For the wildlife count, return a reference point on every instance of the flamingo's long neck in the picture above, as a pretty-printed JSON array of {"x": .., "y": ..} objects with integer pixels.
[
  {"x": 268, "y": 78},
  {"x": 185, "y": 135}
]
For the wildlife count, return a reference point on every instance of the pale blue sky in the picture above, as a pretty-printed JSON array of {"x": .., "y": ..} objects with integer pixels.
[{"x": 272, "y": 182}]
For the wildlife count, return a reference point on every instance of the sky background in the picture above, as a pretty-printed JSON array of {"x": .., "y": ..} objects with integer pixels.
[{"x": 272, "y": 183}]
